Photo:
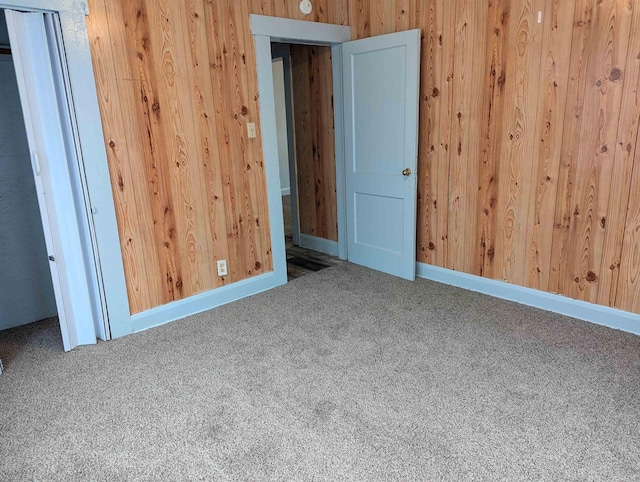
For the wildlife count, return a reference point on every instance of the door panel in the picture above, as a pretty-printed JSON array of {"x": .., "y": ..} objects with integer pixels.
[
  {"x": 39, "y": 99},
  {"x": 381, "y": 80}
]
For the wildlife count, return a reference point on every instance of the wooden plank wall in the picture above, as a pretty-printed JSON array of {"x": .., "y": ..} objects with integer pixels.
[
  {"x": 528, "y": 133},
  {"x": 312, "y": 86},
  {"x": 177, "y": 85},
  {"x": 528, "y": 136}
]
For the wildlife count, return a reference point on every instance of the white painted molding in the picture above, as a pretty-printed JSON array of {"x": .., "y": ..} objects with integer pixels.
[
  {"x": 285, "y": 191},
  {"x": 299, "y": 31},
  {"x": 319, "y": 244},
  {"x": 202, "y": 302},
  {"x": 600, "y": 315},
  {"x": 338, "y": 122},
  {"x": 270, "y": 152},
  {"x": 93, "y": 160}
]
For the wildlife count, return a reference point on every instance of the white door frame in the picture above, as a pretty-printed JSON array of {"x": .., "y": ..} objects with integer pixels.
[
  {"x": 106, "y": 270},
  {"x": 265, "y": 30}
]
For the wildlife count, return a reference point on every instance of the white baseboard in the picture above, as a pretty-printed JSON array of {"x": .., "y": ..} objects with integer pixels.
[
  {"x": 203, "y": 301},
  {"x": 286, "y": 191},
  {"x": 600, "y": 315},
  {"x": 319, "y": 244}
]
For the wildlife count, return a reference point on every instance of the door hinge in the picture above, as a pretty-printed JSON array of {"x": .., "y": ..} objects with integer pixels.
[{"x": 51, "y": 258}]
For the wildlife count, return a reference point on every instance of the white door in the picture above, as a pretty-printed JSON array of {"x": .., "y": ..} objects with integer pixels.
[
  {"x": 381, "y": 88},
  {"x": 32, "y": 58}
]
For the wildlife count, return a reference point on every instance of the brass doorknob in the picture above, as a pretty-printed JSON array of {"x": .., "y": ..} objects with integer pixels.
[{"x": 406, "y": 172}]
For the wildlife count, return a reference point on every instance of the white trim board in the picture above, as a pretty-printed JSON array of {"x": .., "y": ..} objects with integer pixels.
[
  {"x": 600, "y": 315},
  {"x": 265, "y": 30},
  {"x": 299, "y": 31},
  {"x": 319, "y": 244},
  {"x": 202, "y": 302},
  {"x": 286, "y": 191}
]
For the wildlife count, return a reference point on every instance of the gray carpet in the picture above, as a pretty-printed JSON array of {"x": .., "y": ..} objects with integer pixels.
[{"x": 345, "y": 374}]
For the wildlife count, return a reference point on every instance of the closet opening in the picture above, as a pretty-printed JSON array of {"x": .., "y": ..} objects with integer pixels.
[{"x": 26, "y": 289}]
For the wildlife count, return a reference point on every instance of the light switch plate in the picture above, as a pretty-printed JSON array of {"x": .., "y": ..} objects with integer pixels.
[{"x": 251, "y": 130}]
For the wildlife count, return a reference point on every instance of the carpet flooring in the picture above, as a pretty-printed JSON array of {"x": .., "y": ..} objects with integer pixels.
[{"x": 344, "y": 374}]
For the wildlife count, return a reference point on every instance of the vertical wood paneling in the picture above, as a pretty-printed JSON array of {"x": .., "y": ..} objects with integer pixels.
[
  {"x": 152, "y": 173},
  {"x": 572, "y": 119},
  {"x": 627, "y": 166},
  {"x": 360, "y": 18},
  {"x": 178, "y": 86},
  {"x": 121, "y": 176},
  {"x": 518, "y": 140},
  {"x": 622, "y": 171},
  {"x": 469, "y": 64},
  {"x": 552, "y": 98},
  {"x": 436, "y": 97},
  {"x": 176, "y": 103},
  {"x": 325, "y": 11},
  {"x": 491, "y": 134},
  {"x": 312, "y": 89},
  {"x": 301, "y": 93},
  {"x": 207, "y": 124},
  {"x": 608, "y": 44},
  {"x": 527, "y": 153},
  {"x": 533, "y": 129}
]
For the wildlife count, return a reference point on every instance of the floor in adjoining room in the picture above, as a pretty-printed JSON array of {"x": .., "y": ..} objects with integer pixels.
[
  {"x": 344, "y": 374},
  {"x": 302, "y": 261}
]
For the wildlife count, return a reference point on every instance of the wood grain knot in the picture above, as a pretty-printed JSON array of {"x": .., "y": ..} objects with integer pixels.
[
  {"x": 615, "y": 74},
  {"x": 431, "y": 246},
  {"x": 244, "y": 110},
  {"x": 603, "y": 222},
  {"x": 591, "y": 276},
  {"x": 258, "y": 265},
  {"x": 435, "y": 92}
]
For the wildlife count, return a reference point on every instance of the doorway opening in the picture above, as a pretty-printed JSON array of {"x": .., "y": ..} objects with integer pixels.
[
  {"x": 26, "y": 290},
  {"x": 303, "y": 96},
  {"x": 58, "y": 258}
]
